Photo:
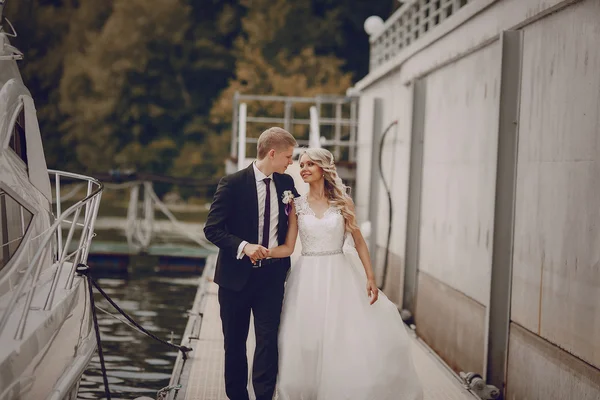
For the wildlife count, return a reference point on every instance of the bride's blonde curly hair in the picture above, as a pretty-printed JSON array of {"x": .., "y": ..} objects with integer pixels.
[{"x": 335, "y": 190}]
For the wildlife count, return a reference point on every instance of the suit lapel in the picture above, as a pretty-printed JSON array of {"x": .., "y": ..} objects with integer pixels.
[{"x": 252, "y": 198}]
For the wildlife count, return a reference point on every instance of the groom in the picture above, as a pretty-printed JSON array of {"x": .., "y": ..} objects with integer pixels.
[{"x": 246, "y": 218}]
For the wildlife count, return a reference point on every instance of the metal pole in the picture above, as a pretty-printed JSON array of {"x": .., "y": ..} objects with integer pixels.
[
  {"x": 415, "y": 183},
  {"x": 314, "y": 139},
  {"x": 58, "y": 212},
  {"x": 242, "y": 136},
  {"x": 234, "y": 123},
  {"x": 498, "y": 311},
  {"x": 338, "y": 129},
  {"x": 353, "y": 129},
  {"x": 375, "y": 181},
  {"x": 287, "y": 116}
]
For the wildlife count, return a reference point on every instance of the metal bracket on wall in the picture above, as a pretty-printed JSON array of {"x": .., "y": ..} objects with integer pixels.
[{"x": 475, "y": 383}]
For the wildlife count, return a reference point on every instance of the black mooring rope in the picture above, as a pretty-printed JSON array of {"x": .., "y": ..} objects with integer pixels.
[
  {"x": 390, "y": 205},
  {"x": 84, "y": 270}
]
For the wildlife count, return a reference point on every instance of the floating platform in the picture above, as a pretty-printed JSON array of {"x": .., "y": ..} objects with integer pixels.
[{"x": 119, "y": 258}]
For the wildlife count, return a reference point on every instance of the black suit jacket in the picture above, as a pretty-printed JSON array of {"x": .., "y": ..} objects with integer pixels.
[{"x": 233, "y": 218}]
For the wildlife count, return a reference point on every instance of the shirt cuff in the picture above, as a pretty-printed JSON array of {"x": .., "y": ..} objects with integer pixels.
[{"x": 240, "y": 253}]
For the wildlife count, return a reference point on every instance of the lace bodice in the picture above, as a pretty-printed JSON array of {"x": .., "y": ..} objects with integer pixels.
[{"x": 319, "y": 236}]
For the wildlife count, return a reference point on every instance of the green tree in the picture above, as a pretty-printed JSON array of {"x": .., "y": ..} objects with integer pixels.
[
  {"x": 98, "y": 71},
  {"x": 142, "y": 86},
  {"x": 149, "y": 83},
  {"x": 123, "y": 93},
  {"x": 275, "y": 55},
  {"x": 47, "y": 32}
]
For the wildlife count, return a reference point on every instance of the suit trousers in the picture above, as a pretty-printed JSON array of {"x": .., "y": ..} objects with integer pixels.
[{"x": 263, "y": 296}]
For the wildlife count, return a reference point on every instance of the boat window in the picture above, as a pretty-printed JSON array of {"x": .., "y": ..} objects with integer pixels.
[
  {"x": 17, "y": 140},
  {"x": 14, "y": 222}
]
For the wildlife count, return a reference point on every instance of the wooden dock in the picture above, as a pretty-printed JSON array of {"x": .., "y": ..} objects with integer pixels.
[{"x": 201, "y": 375}]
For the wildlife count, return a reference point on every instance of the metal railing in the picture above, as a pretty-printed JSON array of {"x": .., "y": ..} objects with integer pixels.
[
  {"x": 53, "y": 249},
  {"x": 409, "y": 23},
  {"x": 333, "y": 119}
]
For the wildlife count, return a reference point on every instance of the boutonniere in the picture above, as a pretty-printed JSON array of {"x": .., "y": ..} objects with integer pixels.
[{"x": 286, "y": 198}]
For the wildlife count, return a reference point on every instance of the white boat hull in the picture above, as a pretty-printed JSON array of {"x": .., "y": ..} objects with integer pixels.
[{"x": 55, "y": 351}]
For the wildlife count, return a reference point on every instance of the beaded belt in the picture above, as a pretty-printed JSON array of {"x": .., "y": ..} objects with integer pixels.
[{"x": 321, "y": 253}]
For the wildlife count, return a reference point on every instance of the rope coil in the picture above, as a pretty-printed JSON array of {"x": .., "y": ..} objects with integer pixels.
[{"x": 162, "y": 393}]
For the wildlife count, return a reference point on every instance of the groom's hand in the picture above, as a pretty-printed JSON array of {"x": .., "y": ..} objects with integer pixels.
[{"x": 255, "y": 252}]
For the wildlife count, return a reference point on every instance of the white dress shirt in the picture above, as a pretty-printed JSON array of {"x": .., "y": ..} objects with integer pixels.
[{"x": 261, "y": 191}]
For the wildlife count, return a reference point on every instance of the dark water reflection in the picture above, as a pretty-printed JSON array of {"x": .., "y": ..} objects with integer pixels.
[{"x": 136, "y": 364}]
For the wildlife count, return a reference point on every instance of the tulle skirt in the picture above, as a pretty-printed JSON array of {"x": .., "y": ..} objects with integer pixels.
[{"x": 333, "y": 345}]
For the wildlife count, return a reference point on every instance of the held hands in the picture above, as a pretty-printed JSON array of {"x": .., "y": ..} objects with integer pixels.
[
  {"x": 255, "y": 252},
  {"x": 372, "y": 291}
]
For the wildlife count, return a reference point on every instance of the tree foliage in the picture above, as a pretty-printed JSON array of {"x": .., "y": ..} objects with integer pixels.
[{"x": 149, "y": 84}]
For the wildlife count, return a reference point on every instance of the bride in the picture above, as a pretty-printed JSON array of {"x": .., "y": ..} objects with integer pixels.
[{"x": 339, "y": 338}]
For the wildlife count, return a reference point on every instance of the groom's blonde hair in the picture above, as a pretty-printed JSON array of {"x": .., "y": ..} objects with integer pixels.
[{"x": 274, "y": 138}]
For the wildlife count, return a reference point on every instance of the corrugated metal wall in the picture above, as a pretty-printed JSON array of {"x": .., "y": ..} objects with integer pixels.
[
  {"x": 556, "y": 268},
  {"x": 459, "y": 172},
  {"x": 457, "y": 205},
  {"x": 554, "y": 345}
]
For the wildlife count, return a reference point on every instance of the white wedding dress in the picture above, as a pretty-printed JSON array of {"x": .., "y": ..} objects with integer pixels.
[{"x": 333, "y": 345}]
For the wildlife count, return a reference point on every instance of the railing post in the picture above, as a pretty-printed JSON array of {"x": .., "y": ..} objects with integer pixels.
[
  {"x": 96, "y": 207},
  {"x": 58, "y": 212},
  {"x": 314, "y": 139},
  {"x": 234, "y": 123},
  {"x": 242, "y": 136},
  {"x": 287, "y": 117},
  {"x": 353, "y": 129},
  {"x": 338, "y": 130}
]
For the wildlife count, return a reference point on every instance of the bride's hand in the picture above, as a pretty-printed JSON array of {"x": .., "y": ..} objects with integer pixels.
[{"x": 372, "y": 291}]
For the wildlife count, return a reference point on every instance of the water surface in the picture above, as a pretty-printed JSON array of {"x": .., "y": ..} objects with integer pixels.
[{"x": 136, "y": 364}]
